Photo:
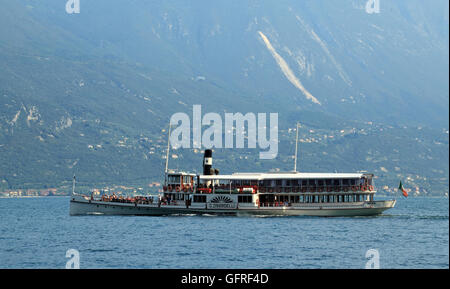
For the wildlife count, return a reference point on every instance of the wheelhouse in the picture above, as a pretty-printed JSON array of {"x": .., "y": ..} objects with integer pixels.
[
  {"x": 178, "y": 186},
  {"x": 179, "y": 181}
]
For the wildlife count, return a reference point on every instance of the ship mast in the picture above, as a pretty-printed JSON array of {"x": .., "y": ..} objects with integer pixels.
[
  {"x": 167, "y": 154},
  {"x": 73, "y": 186},
  {"x": 296, "y": 145}
]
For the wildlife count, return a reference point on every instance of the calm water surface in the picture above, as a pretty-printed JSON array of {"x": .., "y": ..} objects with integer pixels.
[{"x": 37, "y": 232}]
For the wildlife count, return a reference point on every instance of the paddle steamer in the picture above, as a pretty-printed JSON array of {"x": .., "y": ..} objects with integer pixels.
[{"x": 284, "y": 193}]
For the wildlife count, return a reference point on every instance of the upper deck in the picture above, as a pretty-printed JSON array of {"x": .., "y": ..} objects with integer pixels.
[
  {"x": 285, "y": 176},
  {"x": 288, "y": 182}
]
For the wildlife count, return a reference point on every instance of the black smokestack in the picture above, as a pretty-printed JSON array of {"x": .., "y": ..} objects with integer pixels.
[{"x": 207, "y": 162}]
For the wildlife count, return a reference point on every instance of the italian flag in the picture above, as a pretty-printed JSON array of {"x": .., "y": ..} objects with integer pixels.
[{"x": 400, "y": 187}]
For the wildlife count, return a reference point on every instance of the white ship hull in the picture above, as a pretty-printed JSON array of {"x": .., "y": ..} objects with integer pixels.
[{"x": 80, "y": 205}]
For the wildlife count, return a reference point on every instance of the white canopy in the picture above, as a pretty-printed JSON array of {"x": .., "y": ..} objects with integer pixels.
[{"x": 286, "y": 175}]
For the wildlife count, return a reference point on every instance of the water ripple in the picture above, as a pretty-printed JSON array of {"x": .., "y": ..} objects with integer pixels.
[{"x": 36, "y": 233}]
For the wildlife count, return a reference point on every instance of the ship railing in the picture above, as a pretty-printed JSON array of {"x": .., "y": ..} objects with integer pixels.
[
  {"x": 177, "y": 188},
  {"x": 330, "y": 204},
  {"x": 286, "y": 189},
  {"x": 315, "y": 189},
  {"x": 275, "y": 204},
  {"x": 141, "y": 200},
  {"x": 322, "y": 204}
]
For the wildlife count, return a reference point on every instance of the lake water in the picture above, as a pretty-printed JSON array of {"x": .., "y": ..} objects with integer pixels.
[{"x": 37, "y": 232}]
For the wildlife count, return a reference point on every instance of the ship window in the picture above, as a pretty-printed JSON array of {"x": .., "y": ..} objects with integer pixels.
[
  {"x": 328, "y": 182},
  {"x": 245, "y": 199},
  {"x": 199, "y": 199},
  {"x": 320, "y": 183},
  {"x": 336, "y": 182},
  {"x": 345, "y": 182},
  {"x": 186, "y": 179},
  {"x": 174, "y": 179},
  {"x": 278, "y": 182},
  {"x": 304, "y": 183},
  {"x": 288, "y": 183}
]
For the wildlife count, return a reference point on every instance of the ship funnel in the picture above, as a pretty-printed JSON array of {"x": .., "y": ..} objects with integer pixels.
[{"x": 207, "y": 162}]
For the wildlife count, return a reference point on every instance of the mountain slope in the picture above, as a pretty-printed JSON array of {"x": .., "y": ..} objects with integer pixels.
[{"x": 78, "y": 89}]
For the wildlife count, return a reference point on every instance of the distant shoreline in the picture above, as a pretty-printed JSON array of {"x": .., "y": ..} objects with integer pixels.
[{"x": 384, "y": 196}]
